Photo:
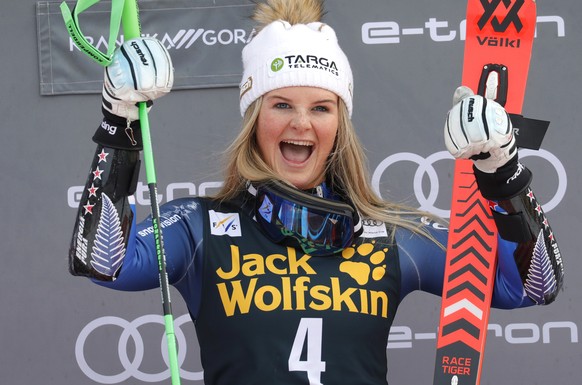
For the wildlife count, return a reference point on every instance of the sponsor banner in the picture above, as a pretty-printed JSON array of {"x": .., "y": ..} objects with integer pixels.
[{"x": 204, "y": 37}]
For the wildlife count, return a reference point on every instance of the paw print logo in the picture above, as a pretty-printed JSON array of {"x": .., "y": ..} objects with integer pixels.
[{"x": 361, "y": 272}]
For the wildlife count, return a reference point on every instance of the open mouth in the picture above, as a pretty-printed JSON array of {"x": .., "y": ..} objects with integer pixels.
[{"x": 296, "y": 151}]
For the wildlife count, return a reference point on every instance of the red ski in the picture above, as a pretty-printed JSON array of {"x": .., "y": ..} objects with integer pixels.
[{"x": 498, "y": 46}]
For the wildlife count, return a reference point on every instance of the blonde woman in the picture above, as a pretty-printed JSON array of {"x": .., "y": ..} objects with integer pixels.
[{"x": 296, "y": 252}]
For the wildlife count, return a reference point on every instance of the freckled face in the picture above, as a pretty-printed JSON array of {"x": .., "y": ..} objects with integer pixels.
[{"x": 296, "y": 130}]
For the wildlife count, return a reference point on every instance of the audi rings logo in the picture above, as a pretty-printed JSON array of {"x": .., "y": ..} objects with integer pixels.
[
  {"x": 426, "y": 167},
  {"x": 131, "y": 367}
]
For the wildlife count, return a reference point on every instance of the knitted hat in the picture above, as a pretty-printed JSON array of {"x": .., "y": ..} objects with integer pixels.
[{"x": 285, "y": 55}]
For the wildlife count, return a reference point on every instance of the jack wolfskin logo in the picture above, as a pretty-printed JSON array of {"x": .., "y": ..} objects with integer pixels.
[{"x": 361, "y": 272}]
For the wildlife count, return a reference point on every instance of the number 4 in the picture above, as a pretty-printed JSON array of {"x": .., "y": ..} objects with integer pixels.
[{"x": 310, "y": 330}]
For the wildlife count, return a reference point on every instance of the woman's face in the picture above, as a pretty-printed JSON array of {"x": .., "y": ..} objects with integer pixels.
[{"x": 296, "y": 131}]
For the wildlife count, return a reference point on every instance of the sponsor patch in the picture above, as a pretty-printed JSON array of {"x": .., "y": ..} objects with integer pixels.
[
  {"x": 224, "y": 224},
  {"x": 373, "y": 228},
  {"x": 246, "y": 87},
  {"x": 291, "y": 62}
]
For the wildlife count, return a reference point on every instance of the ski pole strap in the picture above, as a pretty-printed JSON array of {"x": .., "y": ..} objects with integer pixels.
[{"x": 72, "y": 24}]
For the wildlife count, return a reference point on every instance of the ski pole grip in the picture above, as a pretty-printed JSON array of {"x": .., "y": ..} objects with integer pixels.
[
  {"x": 132, "y": 30},
  {"x": 130, "y": 20}
]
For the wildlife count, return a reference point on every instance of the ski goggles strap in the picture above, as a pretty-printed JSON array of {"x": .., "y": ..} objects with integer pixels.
[
  {"x": 319, "y": 226},
  {"x": 72, "y": 24}
]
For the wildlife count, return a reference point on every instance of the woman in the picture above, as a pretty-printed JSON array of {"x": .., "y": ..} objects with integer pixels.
[{"x": 286, "y": 256}]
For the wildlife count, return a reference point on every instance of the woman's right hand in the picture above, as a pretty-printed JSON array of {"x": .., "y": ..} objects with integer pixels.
[{"x": 141, "y": 71}]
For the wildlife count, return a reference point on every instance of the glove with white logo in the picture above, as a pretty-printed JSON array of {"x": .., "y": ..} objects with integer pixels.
[
  {"x": 480, "y": 129},
  {"x": 141, "y": 71}
]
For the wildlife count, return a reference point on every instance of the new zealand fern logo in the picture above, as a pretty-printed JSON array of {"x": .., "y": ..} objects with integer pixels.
[
  {"x": 108, "y": 249},
  {"x": 362, "y": 272},
  {"x": 540, "y": 281}
]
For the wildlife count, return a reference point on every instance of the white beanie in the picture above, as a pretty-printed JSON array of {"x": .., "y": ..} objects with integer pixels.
[{"x": 285, "y": 55}]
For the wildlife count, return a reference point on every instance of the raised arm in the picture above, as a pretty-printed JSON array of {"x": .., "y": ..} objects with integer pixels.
[
  {"x": 105, "y": 226},
  {"x": 481, "y": 130}
]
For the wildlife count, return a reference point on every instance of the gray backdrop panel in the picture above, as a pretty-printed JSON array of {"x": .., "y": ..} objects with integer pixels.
[{"x": 50, "y": 321}]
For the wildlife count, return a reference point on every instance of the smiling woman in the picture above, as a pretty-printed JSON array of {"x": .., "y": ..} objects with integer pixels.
[{"x": 296, "y": 132}]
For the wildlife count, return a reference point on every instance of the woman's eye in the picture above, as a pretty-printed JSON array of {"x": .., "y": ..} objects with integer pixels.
[
  {"x": 281, "y": 105},
  {"x": 320, "y": 109}
]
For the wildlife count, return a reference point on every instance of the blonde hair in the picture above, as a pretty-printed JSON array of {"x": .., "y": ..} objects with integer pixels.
[{"x": 346, "y": 169}]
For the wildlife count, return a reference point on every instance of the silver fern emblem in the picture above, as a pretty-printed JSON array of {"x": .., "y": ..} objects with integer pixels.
[
  {"x": 540, "y": 280},
  {"x": 108, "y": 250}
]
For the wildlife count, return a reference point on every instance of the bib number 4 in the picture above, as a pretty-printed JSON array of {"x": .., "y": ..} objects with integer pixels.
[{"x": 309, "y": 339}]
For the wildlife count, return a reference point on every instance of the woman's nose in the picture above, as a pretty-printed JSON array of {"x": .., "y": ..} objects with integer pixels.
[{"x": 301, "y": 121}]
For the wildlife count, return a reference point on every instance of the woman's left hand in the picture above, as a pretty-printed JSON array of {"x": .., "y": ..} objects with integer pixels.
[{"x": 479, "y": 129}]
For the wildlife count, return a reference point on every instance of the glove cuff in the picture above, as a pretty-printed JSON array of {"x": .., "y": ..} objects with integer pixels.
[
  {"x": 507, "y": 182},
  {"x": 115, "y": 132}
]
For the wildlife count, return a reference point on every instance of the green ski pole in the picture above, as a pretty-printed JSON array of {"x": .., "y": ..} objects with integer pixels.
[
  {"x": 132, "y": 29},
  {"x": 126, "y": 12}
]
